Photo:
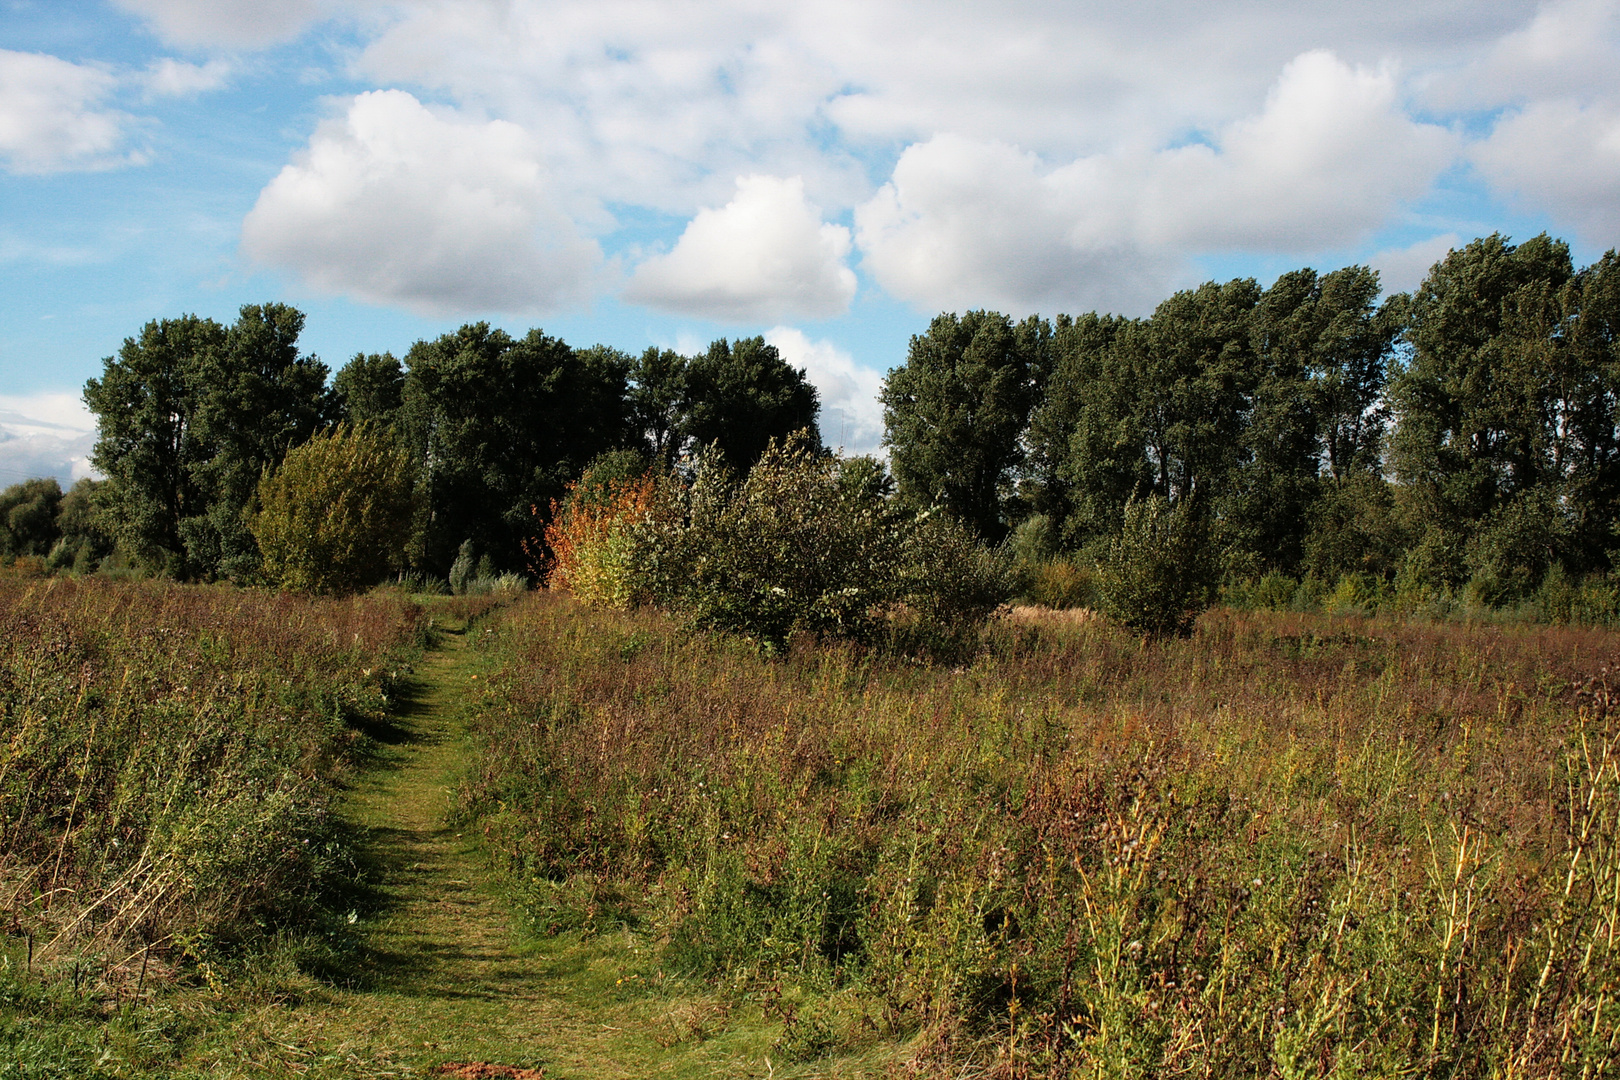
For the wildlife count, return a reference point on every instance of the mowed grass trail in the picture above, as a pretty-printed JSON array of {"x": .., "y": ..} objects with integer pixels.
[{"x": 446, "y": 975}]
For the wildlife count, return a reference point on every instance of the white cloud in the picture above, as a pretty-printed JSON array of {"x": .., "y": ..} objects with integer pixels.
[
  {"x": 1563, "y": 158},
  {"x": 1326, "y": 161},
  {"x": 969, "y": 223},
  {"x": 1403, "y": 269},
  {"x": 397, "y": 203},
  {"x": 171, "y": 78},
  {"x": 54, "y": 117},
  {"x": 229, "y": 23},
  {"x": 764, "y": 255},
  {"x": 45, "y": 435},
  {"x": 661, "y": 104},
  {"x": 964, "y": 224},
  {"x": 851, "y": 415}
]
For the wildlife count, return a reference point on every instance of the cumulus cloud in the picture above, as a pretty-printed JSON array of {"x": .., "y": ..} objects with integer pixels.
[
  {"x": 661, "y": 104},
  {"x": 54, "y": 115},
  {"x": 1562, "y": 157},
  {"x": 967, "y": 224},
  {"x": 765, "y": 255},
  {"x": 229, "y": 23},
  {"x": 851, "y": 415},
  {"x": 396, "y": 203},
  {"x": 1325, "y": 162},
  {"x": 45, "y": 435},
  {"x": 1567, "y": 49}
]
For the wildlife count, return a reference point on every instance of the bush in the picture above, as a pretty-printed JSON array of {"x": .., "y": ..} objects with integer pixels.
[
  {"x": 28, "y": 513},
  {"x": 334, "y": 517},
  {"x": 1057, "y": 583},
  {"x": 593, "y": 543},
  {"x": 1159, "y": 574},
  {"x": 952, "y": 583},
  {"x": 804, "y": 543}
]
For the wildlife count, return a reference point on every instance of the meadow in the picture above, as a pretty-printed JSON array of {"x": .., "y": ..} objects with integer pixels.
[
  {"x": 1291, "y": 844},
  {"x": 1288, "y": 845}
]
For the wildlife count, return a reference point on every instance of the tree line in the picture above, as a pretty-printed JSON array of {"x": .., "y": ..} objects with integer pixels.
[
  {"x": 1462, "y": 436},
  {"x": 196, "y": 418}
]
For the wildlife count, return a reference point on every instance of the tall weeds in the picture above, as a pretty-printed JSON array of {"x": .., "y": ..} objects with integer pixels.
[
  {"x": 1289, "y": 845},
  {"x": 168, "y": 756}
]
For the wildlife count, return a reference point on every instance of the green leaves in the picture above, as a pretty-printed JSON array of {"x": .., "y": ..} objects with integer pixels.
[
  {"x": 334, "y": 517},
  {"x": 954, "y": 414},
  {"x": 1160, "y": 573},
  {"x": 189, "y": 415},
  {"x": 809, "y": 543}
]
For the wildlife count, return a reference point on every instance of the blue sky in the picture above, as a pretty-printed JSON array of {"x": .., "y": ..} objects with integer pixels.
[{"x": 831, "y": 174}]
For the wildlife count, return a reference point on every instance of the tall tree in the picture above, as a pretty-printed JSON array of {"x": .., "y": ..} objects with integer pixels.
[
  {"x": 145, "y": 405},
  {"x": 369, "y": 389},
  {"x": 1085, "y": 455},
  {"x": 1484, "y": 408},
  {"x": 1589, "y": 454},
  {"x": 658, "y": 402},
  {"x": 1322, "y": 344},
  {"x": 955, "y": 414},
  {"x": 188, "y": 416},
  {"x": 256, "y": 399},
  {"x": 740, "y": 395},
  {"x": 497, "y": 426}
]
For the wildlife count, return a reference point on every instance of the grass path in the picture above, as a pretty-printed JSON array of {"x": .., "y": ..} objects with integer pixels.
[{"x": 446, "y": 977}]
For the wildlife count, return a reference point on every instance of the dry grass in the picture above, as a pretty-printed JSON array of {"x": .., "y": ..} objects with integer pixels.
[{"x": 1290, "y": 845}]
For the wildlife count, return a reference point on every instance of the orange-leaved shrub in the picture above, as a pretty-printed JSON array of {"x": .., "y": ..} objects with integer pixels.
[{"x": 592, "y": 540}]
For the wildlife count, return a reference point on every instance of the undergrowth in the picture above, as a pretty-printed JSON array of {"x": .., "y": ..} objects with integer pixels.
[{"x": 1289, "y": 845}]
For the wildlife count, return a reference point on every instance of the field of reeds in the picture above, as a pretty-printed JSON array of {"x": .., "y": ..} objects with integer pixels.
[
  {"x": 169, "y": 757},
  {"x": 1289, "y": 845}
]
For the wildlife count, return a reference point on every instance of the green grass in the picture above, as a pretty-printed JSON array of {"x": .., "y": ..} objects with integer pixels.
[{"x": 596, "y": 843}]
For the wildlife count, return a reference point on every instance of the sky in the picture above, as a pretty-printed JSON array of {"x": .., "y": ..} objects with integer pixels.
[{"x": 829, "y": 173}]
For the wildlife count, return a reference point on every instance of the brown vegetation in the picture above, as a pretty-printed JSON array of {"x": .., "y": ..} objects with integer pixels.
[{"x": 1290, "y": 845}]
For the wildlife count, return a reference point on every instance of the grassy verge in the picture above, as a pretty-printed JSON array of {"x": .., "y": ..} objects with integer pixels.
[{"x": 1290, "y": 845}]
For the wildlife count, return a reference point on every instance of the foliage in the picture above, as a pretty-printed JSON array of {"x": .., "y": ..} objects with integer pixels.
[
  {"x": 496, "y": 425},
  {"x": 334, "y": 517},
  {"x": 1506, "y": 413},
  {"x": 173, "y": 755},
  {"x": 804, "y": 543},
  {"x": 28, "y": 517},
  {"x": 1289, "y": 845},
  {"x": 369, "y": 389},
  {"x": 189, "y": 415},
  {"x": 1160, "y": 572},
  {"x": 741, "y": 395},
  {"x": 954, "y": 413},
  {"x": 593, "y": 539}
]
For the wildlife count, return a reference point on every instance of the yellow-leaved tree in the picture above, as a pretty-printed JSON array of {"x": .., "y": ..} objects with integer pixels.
[{"x": 335, "y": 516}]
